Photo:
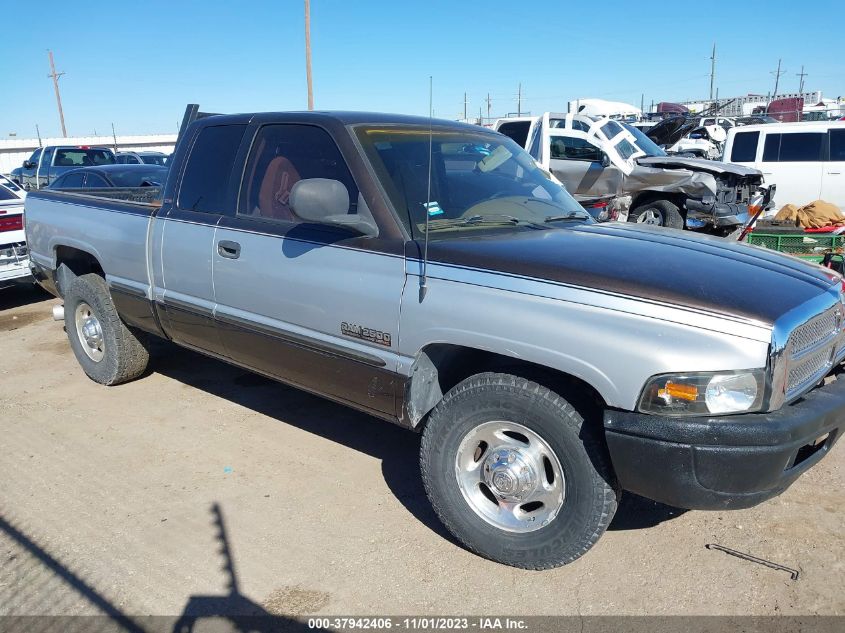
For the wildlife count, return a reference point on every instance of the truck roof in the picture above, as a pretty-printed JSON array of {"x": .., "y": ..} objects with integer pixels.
[{"x": 342, "y": 117}]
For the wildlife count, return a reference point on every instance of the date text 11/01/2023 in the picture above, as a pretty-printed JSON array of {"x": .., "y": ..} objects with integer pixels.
[{"x": 418, "y": 623}]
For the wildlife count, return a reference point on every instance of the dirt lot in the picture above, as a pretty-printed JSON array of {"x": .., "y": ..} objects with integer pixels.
[{"x": 112, "y": 500}]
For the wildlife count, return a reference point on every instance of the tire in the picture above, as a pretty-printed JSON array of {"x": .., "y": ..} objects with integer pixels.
[
  {"x": 123, "y": 354},
  {"x": 588, "y": 490},
  {"x": 666, "y": 214}
]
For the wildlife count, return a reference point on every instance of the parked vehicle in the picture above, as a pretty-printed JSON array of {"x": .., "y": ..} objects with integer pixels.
[
  {"x": 550, "y": 362},
  {"x": 592, "y": 157},
  {"x": 805, "y": 160},
  {"x": 111, "y": 176},
  {"x": 14, "y": 262},
  {"x": 141, "y": 158},
  {"x": 603, "y": 207},
  {"x": 13, "y": 187},
  {"x": 16, "y": 175},
  {"x": 48, "y": 163}
]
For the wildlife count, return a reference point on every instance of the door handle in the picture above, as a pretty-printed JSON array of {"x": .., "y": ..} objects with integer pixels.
[{"x": 230, "y": 250}]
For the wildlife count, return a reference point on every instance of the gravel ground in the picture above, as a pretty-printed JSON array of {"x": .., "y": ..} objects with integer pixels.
[{"x": 201, "y": 488}]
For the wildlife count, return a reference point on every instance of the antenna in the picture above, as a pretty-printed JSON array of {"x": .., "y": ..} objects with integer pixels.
[{"x": 423, "y": 279}]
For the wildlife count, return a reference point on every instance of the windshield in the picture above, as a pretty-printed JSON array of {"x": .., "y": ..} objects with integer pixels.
[
  {"x": 644, "y": 143},
  {"x": 479, "y": 181},
  {"x": 153, "y": 159},
  {"x": 77, "y": 157}
]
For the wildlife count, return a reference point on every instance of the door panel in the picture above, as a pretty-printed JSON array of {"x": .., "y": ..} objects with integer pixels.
[
  {"x": 307, "y": 308},
  {"x": 183, "y": 285}
]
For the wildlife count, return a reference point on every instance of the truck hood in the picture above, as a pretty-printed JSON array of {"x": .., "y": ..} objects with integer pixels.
[
  {"x": 698, "y": 164},
  {"x": 654, "y": 263},
  {"x": 670, "y": 130}
]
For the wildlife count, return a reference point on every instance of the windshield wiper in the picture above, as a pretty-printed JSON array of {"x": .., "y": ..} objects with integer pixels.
[
  {"x": 479, "y": 220},
  {"x": 572, "y": 215}
]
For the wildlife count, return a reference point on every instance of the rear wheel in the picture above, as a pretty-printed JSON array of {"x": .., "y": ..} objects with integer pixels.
[
  {"x": 515, "y": 473},
  {"x": 108, "y": 351},
  {"x": 658, "y": 213}
]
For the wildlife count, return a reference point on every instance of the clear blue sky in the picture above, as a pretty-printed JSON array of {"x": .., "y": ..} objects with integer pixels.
[{"x": 136, "y": 64}]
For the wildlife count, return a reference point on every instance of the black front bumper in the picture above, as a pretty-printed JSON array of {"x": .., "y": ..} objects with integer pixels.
[{"x": 724, "y": 462}]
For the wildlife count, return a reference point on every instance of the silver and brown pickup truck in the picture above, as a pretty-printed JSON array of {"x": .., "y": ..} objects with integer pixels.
[{"x": 549, "y": 362}]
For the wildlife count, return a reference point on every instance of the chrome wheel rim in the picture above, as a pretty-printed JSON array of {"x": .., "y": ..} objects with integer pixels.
[
  {"x": 89, "y": 331},
  {"x": 650, "y": 216},
  {"x": 510, "y": 476}
]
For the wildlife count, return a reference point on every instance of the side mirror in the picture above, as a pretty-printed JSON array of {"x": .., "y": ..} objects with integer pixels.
[
  {"x": 28, "y": 164},
  {"x": 605, "y": 160},
  {"x": 326, "y": 201}
]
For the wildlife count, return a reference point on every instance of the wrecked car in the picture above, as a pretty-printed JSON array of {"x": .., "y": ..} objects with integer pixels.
[{"x": 593, "y": 157}]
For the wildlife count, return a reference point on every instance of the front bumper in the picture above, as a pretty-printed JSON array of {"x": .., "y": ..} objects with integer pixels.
[
  {"x": 718, "y": 213},
  {"x": 14, "y": 264},
  {"x": 724, "y": 462}
]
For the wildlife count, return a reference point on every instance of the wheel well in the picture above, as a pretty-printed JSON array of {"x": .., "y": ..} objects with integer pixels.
[
  {"x": 651, "y": 196},
  {"x": 440, "y": 366},
  {"x": 72, "y": 262}
]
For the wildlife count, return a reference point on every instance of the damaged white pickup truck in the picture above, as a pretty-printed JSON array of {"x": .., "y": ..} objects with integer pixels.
[{"x": 598, "y": 156}]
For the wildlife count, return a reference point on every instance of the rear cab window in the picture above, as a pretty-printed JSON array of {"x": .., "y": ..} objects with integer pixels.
[
  {"x": 744, "y": 148},
  {"x": 79, "y": 157},
  {"x": 205, "y": 183},
  {"x": 517, "y": 131}
]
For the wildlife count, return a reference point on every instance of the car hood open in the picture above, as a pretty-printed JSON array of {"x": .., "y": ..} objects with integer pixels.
[{"x": 671, "y": 130}]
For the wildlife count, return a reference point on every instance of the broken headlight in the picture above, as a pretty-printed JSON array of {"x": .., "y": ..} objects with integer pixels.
[{"x": 704, "y": 393}]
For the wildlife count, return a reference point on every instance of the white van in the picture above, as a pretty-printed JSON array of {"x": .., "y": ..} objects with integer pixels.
[{"x": 805, "y": 160}]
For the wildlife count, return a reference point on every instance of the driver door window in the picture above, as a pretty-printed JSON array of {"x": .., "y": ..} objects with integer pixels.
[{"x": 566, "y": 148}]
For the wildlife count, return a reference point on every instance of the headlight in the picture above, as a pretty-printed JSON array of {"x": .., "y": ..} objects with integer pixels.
[{"x": 704, "y": 393}]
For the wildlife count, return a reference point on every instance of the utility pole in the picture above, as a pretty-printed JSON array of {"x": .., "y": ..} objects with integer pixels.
[
  {"x": 55, "y": 76},
  {"x": 114, "y": 136},
  {"x": 802, "y": 74},
  {"x": 308, "y": 54},
  {"x": 712, "y": 70},
  {"x": 777, "y": 74},
  {"x": 489, "y": 103},
  {"x": 38, "y": 132},
  {"x": 465, "y": 107},
  {"x": 642, "y": 103},
  {"x": 519, "y": 100}
]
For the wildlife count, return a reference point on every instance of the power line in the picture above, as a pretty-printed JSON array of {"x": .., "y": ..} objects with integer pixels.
[
  {"x": 55, "y": 76},
  {"x": 777, "y": 73},
  {"x": 712, "y": 70},
  {"x": 802, "y": 74},
  {"x": 308, "y": 54}
]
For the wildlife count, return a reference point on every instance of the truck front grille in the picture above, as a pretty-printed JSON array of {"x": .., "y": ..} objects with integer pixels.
[{"x": 812, "y": 351}]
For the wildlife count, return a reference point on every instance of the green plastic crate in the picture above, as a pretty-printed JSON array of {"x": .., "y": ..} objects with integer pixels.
[{"x": 811, "y": 246}]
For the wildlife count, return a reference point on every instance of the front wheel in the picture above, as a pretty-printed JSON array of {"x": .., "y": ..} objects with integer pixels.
[
  {"x": 658, "y": 213},
  {"x": 515, "y": 473}
]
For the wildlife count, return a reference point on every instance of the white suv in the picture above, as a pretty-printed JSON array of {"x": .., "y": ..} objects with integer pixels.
[{"x": 805, "y": 160}]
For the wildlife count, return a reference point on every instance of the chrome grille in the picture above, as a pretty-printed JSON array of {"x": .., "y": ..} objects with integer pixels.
[
  {"x": 811, "y": 351},
  {"x": 814, "y": 331}
]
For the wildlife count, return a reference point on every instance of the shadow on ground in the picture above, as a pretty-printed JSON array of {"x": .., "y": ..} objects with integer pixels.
[
  {"x": 18, "y": 295},
  {"x": 397, "y": 448},
  {"x": 638, "y": 513},
  {"x": 226, "y": 612}
]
